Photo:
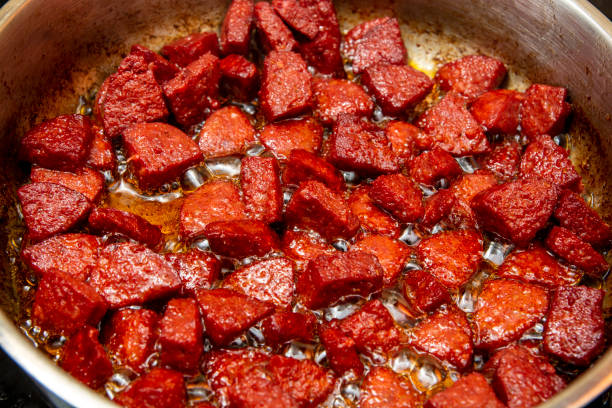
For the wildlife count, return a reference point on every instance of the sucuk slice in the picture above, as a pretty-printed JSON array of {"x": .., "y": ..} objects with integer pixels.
[
  {"x": 498, "y": 111},
  {"x": 545, "y": 159},
  {"x": 452, "y": 128},
  {"x": 396, "y": 87},
  {"x": 356, "y": 145},
  {"x": 223, "y": 366},
  {"x": 423, "y": 292},
  {"x": 180, "y": 336},
  {"x": 283, "y": 137},
  {"x": 568, "y": 246},
  {"x": 242, "y": 238},
  {"x": 217, "y": 200},
  {"x": 163, "y": 70},
  {"x": 522, "y": 379},
  {"x": 315, "y": 206},
  {"x": 437, "y": 207},
  {"x": 505, "y": 310},
  {"x": 272, "y": 33},
  {"x": 227, "y": 131},
  {"x": 535, "y": 265},
  {"x": 375, "y": 41},
  {"x": 464, "y": 190},
  {"x": 433, "y": 165},
  {"x": 372, "y": 328},
  {"x": 261, "y": 188},
  {"x": 183, "y": 51},
  {"x": 73, "y": 254},
  {"x": 504, "y": 160},
  {"x": 372, "y": 218},
  {"x": 193, "y": 92},
  {"x": 85, "y": 358},
  {"x": 329, "y": 277},
  {"x": 60, "y": 143},
  {"x": 130, "y": 336},
  {"x": 301, "y": 15},
  {"x": 574, "y": 330},
  {"x": 398, "y": 195},
  {"x": 471, "y": 75},
  {"x": 303, "y": 246},
  {"x": 574, "y": 213},
  {"x": 256, "y": 389},
  {"x": 284, "y": 326},
  {"x": 286, "y": 86},
  {"x": 451, "y": 256},
  {"x": 160, "y": 388},
  {"x": 50, "y": 209},
  {"x": 384, "y": 388},
  {"x": 111, "y": 220},
  {"x": 101, "y": 155},
  {"x": 306, "y": 382},
  {"x": 196, "y": 269},
  {"x": 86, "y": 181},
  {"x": 303, "y": 166},
  {"x": 131, "y": 274},
  {"x": 447, "y": 336},
  {"x": 236, "y": 27},
  {"x": 269, "y": 280},
  {"x": 159, "y": 153},
  {"x": 333, "y": 97},
  {"x": 239, "y": 77},
  {"x": 63, "y": 304},
  {"x": 471, "y": 391},
  {"x": 516, "y": 210},
  {"x": 544, "y": 110},
  {"x": 341, "y": 351},
  {"x": 403, "y": 137},
  {"x": 227, "y": 314},
  {"x": 391, "y": 253}
]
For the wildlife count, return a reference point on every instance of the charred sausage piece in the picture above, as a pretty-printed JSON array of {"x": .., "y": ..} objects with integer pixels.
[
  {"x": 398, "y": 195},
  {"x": 574, "y": 213},
  {"x": 516, "y": 210},
  {"x": 159, "y": 153},
  {"x": 373, "y": 42},
  {"x": 505, "y": 310},
  {"x": 423, "y": 292},
  {"x": 333, "y": 97},
  {"x": 574, "y": 330},
  {"x": 452, "y": 127},
  {"x": 545, "y": 159},
  {"x": 61, "y": 143},
  {"x": 227, "y": 131},
  {"x": 111, "y": 220},
  {"x": 239, "y": 77},
  {"x": 303, "y": 166},
  {"x": 214, "y": 201},
  {"x": 391, "y": 253},
  {"x": 471, "y": 391},
  {"x": 330, "y": 277},
  {"x": 269, "y": 280},
  {"x": 341, "y": 351},
  {"x": 261, "y": 188},
  {"x": 241, "y": 238},
  {"x": 185, "y": 50},
  {"x": 85, "y": 358},
  {"x": 396, "y": 87},
  {"x": 180, "y": 336},
  {"x": 544, "y": 110},
  {"x": 535, "y": 265},
  {"x": 285, "y": 326},
  {"x": 160, "y": 387},
  {"x": 131, "y": 274},
  {"x": 498, "y": 111},
  {"x": 88, "y": 182},
  {"x": 451, "y": 256},
  {"x": 431, "y": 166},
  {"x": 472, "y": 75},
  {"x": 283, "y": 137},
  {"x": 315, "y": 206},
  {"x": 130, "y": 336},
  {"x": 73, "y": 254},
  {"x": 236, "y": 27},
  {"x": 227, "y": 314},
  {"x": 383, "y": 388},
  {"x": 192, "y": 94},
  {"x": 437, "y": 207},
  {"x": 196, "y": 269},
  {"x": 504, "y": 160},
  {"x": 286, "y": 86},
  {"x": 372, "y": 328},
  {"x": 272, "y": 33},
  {"x": 64, "y": 305},
  {"x": 568, "y": 246},
  {"x": 49, "y": 209},
  {"x": 356, "y": 145},
  {"x": 372, "y": 218}
]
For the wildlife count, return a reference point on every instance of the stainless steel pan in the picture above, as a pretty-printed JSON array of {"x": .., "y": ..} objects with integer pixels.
[{"x": 53, "y": 50}]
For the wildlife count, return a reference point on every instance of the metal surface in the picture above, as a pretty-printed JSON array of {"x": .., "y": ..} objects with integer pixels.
[{"x": 52, "y": 50}]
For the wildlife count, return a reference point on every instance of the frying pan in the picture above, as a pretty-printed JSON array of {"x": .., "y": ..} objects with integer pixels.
[{"x": 52, "y": 51}]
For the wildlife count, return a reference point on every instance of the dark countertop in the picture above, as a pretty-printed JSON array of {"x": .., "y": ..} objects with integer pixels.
[{"x": 18, "y": 391}]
